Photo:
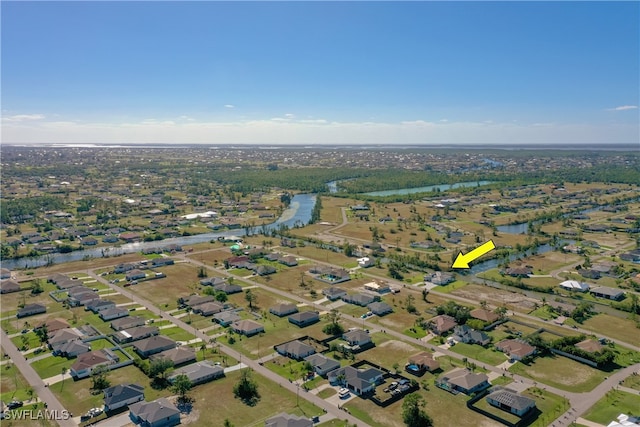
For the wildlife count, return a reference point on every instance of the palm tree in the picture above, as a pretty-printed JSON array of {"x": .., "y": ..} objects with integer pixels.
[{"x": 64, "y": 371}]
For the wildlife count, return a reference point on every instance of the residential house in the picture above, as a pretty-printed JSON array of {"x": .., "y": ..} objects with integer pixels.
[
  {"x": 208, "y": 308},
  {"x": 122, "y": 395},
  {"x": 463, "y": 380},
  {"x": 213, "y": 281},
  {"x": 289, "y": 261},
  {"x": 574, "y": 285},
  {"x": 31, "y": 310},
  {"x": 590, "y": 273},
  {"x": 198, "y": 373},
  {"x": 53, "y": 325},
  {"x": 516, "y": 349},
  {"x": 422, "y": 362},
  {"x": 177, "y": 355},
  {"x": 99, "y": 305},
  {"x": 287, "y": 420},
  {"x": 510, "y": 401},
  {"x": 365, "y": 262},
  {"x": 484, "y": 315},
  {"x": 226, "y": 318},
  {"x": 264, "y": 270},
  {"x": 377, "y": 286},
  {"x": 87, "y": 362},
  {"x": 467, "y": 335},
  {"x": 322, "y": 364},
  {"x": 5, "y": 273},
  {"x": 360, "y": 299},
  {"x": 123, "y": 268},
  {"x": 8, "y": 286},
  {"x": 333, "y": 293},
  {"x": 442, "y": 324},
  {"x": 135, "y": 334},
  {"x": 158, "y": 413},
  {"x": 194, "y": 300},
  {"x": 359, "y": 381},
  {"x": 283, "y": 309},
  {"x": 304, "y": 318},
  {"x": 135, "y": 274},
  {"x": 72, "y": 348},
  {"x": 127, "y": 323},
  {"x": 228, "y": 288},
  {"x": 153, "y": 345},
  {"x": 62, "y": 336},
  {"x": 247, "y": 327},
  {"x": 162, "y": 261},
  {"x": 357, "y": 337},
  {"x": 522, "y": 271},
  {"x": 295, "y": 349},
  {"x": 380, "y": 308},
  {"x": 238, "y": 261},
  {"x": 439, "y": 278},
  {"x": 608, "y": 293},
  {"x": 130, "y": 237},
  {"x": 113, "y": 313}
]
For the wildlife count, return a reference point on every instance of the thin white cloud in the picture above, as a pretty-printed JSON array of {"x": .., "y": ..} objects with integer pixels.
[
  {"x": 289, "y": 116},
  {"x": 624, "y": 108},
  {"x": 23, "y": 117},
  {"x": 229, "y": 106},
  {"x": 317, "y": 131}
]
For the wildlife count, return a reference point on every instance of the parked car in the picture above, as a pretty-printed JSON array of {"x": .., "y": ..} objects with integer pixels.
[
  {"x": 343, "y": 392},
  {"x": 14, "y": 404}
]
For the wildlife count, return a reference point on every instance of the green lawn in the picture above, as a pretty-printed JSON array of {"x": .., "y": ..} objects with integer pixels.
[
  {"x": 450, "y": 287},
  {"x": 614, "y": 403},
  {"x": 177, "y": 334},
  {"x": 12, "y": 384},
  {"x": 550, "y": 405},
  {"x": 632, "y": 381},
  {"x": 327, "y": 392},
  {"x": 50, "y": 366},
  {"x": 561, "y": 372},
  {"x": 480, "y": 353},
  {"x": 32, "y": 340}
]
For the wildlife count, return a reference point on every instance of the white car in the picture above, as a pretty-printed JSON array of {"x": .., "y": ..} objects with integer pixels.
[{"x": 343, "y": 392}]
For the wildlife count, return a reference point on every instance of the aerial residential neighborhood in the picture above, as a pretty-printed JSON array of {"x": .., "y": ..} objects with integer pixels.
[{"x": 148, "y": 336}]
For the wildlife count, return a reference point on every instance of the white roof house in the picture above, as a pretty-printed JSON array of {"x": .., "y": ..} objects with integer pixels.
[{"x": 574, "y": 285}]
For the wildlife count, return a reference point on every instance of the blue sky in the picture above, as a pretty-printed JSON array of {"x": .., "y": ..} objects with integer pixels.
[{"x": 321, "y": 72}]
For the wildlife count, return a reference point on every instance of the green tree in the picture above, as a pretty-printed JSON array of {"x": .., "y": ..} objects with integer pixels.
[
  {"x": 412, "y": 413},
  {"x": 246, "y": 388},
  {"x": 227, "y": 423},
  {"x": 37, "y": 287},
  {"x": 251, "y": 298},
  {"x": 333, "y": 327},
  {"x": 181, "y": 386},
  {"x": 42, "y": 333},
  {"x": 99, "y": 379},
  {"x": 409, "y": 305},
  {"x": 158, "y": 368}
]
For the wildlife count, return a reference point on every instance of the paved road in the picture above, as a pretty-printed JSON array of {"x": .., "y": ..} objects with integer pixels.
[
  {"x": 34, "y": 380},
  {"x": 321, "y": 403}
]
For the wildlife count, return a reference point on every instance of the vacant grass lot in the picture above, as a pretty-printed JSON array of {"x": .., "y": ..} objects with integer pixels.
[
  {"x": 475, "y": 351},
  {"x": 632, "y": 381},
  {"x": 12, "y": 384},
  {"x": 614, "y": 403},
  {"x": 50, "y": 366},
  {"x": 274, "y": 399},
  {"x": 182, "y": 280},
  {"x": 441, "y": 407},
  {"x": 614, "y": 327},
  {"x": 561, "y": 372}
]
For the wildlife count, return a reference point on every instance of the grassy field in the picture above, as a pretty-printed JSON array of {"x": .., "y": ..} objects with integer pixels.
[
  {"x": 561, "y": 372},
  {"x": 274, "y": 399},
  {"x": 632, "y": 381},
  {"x": 51, "y": 366},
  {"x": 480, "y": 353},
  {"x": 12, "y": 384},
  {"x": 614, "y": 403},
  {"x": 387, "y": 352},
  {"x": 614, "y": 327},
  {"x": 550, "y": 405},
  {"x": 441, "y": 407}
]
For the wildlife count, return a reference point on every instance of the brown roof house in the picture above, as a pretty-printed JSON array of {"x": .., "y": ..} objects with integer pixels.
[
  {"x": 516, "y": 349},
  {"x": 463, "y": 380},
  {"x": 420, "y": 363},
  {"x": 8, "y": 286},
  {"x": 484, "y": 315},
  {"x": 87, "y": 362},
  {"x": 178, "y": 355},
  {"x": 442, "y": 324}
]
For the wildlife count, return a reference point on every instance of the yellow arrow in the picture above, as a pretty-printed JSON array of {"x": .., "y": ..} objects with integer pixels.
[{"x": 462, "y": 261}]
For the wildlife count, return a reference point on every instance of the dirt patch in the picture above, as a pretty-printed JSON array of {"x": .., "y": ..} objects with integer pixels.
[{"x": 398, "y": 345}]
